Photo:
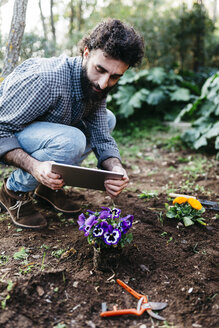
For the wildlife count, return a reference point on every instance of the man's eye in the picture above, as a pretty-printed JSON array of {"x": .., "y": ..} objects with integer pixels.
[{"x": 99, "y": 69}]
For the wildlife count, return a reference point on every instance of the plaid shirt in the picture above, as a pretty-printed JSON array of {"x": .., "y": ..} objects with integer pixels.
[{"x": 49, "y": 90}]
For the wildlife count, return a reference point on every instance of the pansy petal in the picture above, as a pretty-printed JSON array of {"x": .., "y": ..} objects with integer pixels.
[
  {"x": 195, "y": 203},
  {"x": 180, "y": 200},
  {"x": 116, "y": 212},
  {"x": 105, "y": 215},
  {"x": 90, "y": 220},
  {"x": 81, "y": 220}
]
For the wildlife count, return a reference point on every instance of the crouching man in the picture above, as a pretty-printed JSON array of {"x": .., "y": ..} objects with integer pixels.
[{"x": 55, "y": 110}]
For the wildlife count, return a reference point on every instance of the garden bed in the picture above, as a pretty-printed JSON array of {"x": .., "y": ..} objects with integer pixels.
[{"x": 57, "y": 287}]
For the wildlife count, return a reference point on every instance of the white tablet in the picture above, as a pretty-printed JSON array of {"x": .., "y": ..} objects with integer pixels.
[{"x": 84, "y": 177}]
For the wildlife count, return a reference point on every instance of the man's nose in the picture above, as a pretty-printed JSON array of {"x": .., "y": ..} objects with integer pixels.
[{"x": 103, "y": 81}]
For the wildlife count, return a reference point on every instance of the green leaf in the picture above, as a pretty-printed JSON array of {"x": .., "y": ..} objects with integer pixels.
[
  {"x": 201, "y": 221},
  {"x": 200, "y": 142},
  {"x": 156, "y": 97},
  {"x": 190, "y": 135},
  {"x": 171, "y": 214},
  {"x": 187, "y": 221},
  {"x": 213, "y": 132},
  {"x": 156, "y": 75},
  {"x": 138, "y": 98},
  {"x": 128, "y": 77},
  {"x": 124, "y": 94},
  {"x": 129, "y": 99},
  {"x": 181, "y": 94}
]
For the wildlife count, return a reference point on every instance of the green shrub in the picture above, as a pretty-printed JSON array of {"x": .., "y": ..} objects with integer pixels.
[
  {"x": 205, "y": 109},
  {"x": 152, "y": 90}
]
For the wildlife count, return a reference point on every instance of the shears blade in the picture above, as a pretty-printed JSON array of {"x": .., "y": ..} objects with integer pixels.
[
  {"x": 158, "y": 305},
  {"x": 154, "y": 315}
]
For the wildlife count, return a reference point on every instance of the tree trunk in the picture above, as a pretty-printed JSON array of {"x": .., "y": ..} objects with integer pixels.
[
  {"x": 71, "y": 21},
  {"x": 43, "y": 20},
  {"x": 215, "y": 11},
  {"x": 79, "y": 14},
  {"x": 52, "y": 21},
  {"x": 15, "y": 36}
]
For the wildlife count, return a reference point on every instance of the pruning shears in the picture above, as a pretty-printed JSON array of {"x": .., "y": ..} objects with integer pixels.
[
  {"x": 142, "y": 305},
  {"x": 210, "y": 205}
]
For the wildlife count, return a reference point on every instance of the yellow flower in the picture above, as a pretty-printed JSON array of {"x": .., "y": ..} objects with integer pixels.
[
  {"x": 195, "y": 203},
  {"x": 180, "y": 200}
]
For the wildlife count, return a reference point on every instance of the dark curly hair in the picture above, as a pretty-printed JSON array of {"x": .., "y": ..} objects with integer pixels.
[{"x": 117, "y": 39}]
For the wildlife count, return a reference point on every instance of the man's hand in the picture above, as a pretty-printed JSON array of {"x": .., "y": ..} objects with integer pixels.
[
  {"x": 41, "y": 171},
  {"x": 115, "y": 186}
]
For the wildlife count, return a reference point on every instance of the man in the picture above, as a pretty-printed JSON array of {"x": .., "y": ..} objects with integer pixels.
[{"x": 55, "y": 110}]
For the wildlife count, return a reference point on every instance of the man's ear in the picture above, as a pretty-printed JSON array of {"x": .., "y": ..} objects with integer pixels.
[{"x": 86, "y": 52}]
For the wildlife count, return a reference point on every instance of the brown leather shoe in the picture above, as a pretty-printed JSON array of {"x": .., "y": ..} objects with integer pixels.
[
  {"x": 58, "y": 199},
  {"x": 21, "y": 209}
]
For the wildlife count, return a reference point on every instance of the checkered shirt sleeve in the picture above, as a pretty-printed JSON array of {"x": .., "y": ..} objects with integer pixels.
[{"x": 102, "y": 143}]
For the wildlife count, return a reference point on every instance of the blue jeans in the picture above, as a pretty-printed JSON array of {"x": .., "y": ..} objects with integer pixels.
[{"x": 47, "y": 141}]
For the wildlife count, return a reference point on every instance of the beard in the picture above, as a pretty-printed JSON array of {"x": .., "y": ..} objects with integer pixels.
[{"x": 87, "y": 87}]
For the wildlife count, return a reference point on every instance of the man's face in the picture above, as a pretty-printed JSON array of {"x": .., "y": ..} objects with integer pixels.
[{"x": 100, "y": 73}]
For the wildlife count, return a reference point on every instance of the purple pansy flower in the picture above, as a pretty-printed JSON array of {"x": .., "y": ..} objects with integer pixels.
[
  {"x": 126, "y": 223},
  {"x": 105, "y": 215},
  {"x": 100, "y": 229},
  {"x": 112, "y": 236},
  {"x": 88, "y": 224},
  {"x": 81, "y": 220},
  {"x": 115, "y": 212}
]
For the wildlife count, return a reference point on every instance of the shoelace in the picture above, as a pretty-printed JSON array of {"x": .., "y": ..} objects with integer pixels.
[{"x": 18, "y": 205}]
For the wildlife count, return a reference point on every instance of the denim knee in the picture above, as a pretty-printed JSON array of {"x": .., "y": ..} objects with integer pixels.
[
  {"x": 67, "y": 146},
  {"x": 111, "y": 120}
]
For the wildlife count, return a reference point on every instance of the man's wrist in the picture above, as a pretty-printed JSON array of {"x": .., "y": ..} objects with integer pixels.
[
  {"x": 111, "y": 163},
  {"x": 19, "y": 158}
]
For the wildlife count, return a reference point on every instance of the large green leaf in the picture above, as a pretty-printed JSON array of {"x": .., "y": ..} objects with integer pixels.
[
  {"x": 128, "y": 77},
  {"x": 125, "y": 110},
  {"x": 131, "y": 76},
  {"x": 129, "y": 99},
  {"x": 139, "y": 97},
  {"x": 213, "y": 132},
  {"x": 124, "y": 94},
  {"x": 210, "y": 87},
  {"x": 181, "y": 94},
  {"x": 156, "y": 96},
  {"x": 156, "y": 75},
  {"x": 190, "y": 135},
  {"x": 200, "y": 142}
]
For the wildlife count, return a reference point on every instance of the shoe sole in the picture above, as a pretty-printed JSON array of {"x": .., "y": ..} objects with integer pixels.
[
  {"x": 20, "y": 225},
  {"x": 36, "y": 195}
]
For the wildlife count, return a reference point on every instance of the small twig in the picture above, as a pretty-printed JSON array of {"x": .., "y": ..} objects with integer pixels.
[
  {"x": 113, "y": 275},
  {"x": 95, "y": 259},
  {"x": 113, "y": 204}
]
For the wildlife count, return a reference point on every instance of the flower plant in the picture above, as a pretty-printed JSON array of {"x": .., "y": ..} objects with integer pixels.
[
  {"x": 188, "y": 210},
  {"x": 106, "y": 228}
]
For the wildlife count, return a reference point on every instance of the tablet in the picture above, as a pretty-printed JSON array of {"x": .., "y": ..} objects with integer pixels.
[{"x": 84, "y": 177}]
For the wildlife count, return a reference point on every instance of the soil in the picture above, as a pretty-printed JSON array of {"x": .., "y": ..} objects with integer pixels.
[{"x": 166, "y": 261}]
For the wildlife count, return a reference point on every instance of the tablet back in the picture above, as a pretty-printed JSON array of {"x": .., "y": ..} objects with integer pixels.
[{"x": 83, "y": 177}]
